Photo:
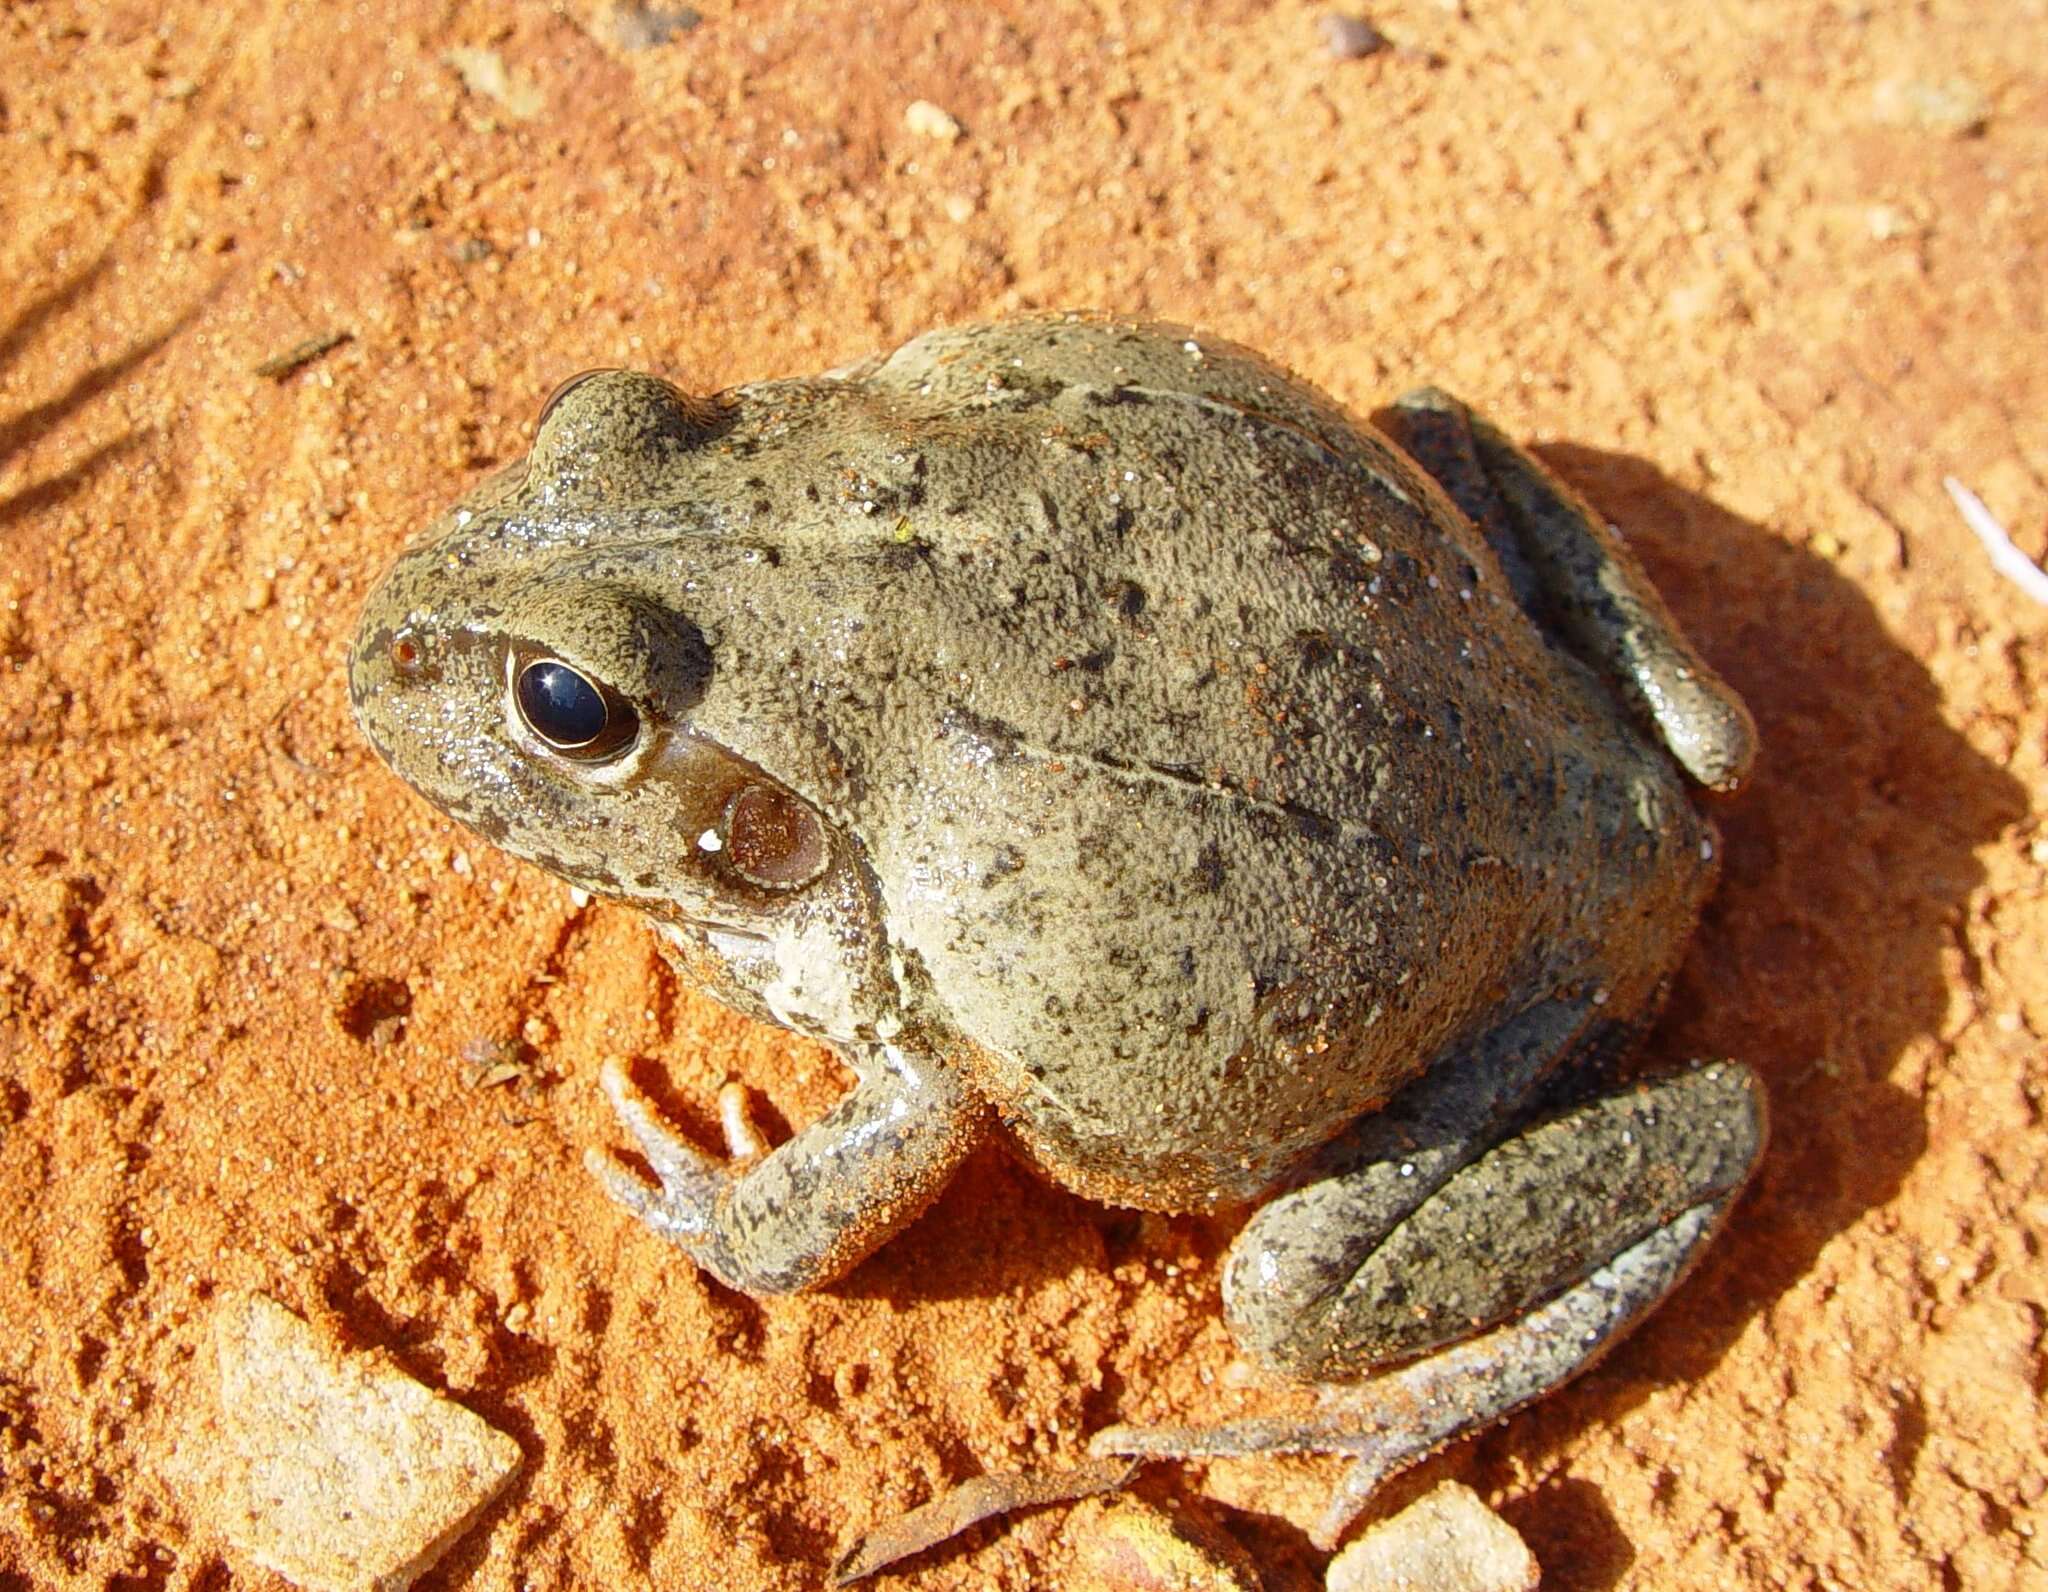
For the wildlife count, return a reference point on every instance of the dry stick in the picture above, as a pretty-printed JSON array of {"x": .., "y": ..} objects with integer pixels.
[{"x": 973, "y": 1501}]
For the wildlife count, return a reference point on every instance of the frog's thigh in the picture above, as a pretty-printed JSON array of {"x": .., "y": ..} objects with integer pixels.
[
  {"x": 1532, "y": 1216},
  {"x": 1287, "y": 1264},
  {"x": 1571, "y": 570},
  {"x": 816, "y": 1205}
]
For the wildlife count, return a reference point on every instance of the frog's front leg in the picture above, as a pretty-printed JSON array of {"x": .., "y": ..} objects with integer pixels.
[
  {"x": 810, "y": 1209},
  {"x": 1496, "y": 1270}
]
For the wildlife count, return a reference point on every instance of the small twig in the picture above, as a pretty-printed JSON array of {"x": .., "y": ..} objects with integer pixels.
[
  {"x": 973, "y": 1501},
  {"x": 2006, "y": 557},
  {"x": 279, "y": 366}
]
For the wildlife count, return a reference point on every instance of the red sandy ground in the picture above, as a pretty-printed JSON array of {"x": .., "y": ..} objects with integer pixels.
[{"x": 1730, "y": 264}]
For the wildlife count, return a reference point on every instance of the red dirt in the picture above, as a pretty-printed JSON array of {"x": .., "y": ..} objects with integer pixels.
[{"x": 1757, "y": 276}]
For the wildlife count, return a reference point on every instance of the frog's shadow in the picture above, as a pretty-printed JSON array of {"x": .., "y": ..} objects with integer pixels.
[{"x": 1819, "y": 963}]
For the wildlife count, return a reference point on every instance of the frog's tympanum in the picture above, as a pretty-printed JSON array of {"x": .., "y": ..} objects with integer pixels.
[{"x": 1099, "y": 738}]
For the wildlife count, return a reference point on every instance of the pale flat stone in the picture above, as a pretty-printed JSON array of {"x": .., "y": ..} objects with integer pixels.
[
  {"x": 341, "y": 1474},
  {"x": 1446, "y": 1541}
]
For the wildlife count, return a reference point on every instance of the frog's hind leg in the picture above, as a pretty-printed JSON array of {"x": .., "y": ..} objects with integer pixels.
[
  {"x": 1576, "y": 576},
  {"x": 1428, "y": 1226},
  {"x": 1404, "y": 1415}
]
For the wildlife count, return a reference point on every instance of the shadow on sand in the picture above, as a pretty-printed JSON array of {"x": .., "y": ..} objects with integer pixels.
[{"x": 1848, "y": 862}]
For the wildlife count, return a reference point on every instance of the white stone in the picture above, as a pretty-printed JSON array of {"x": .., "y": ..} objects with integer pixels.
[
  {"x": 930, "y": 121},
  {"x": 1446, "y": 1541},
  {"x": 339, "y": 1473}
]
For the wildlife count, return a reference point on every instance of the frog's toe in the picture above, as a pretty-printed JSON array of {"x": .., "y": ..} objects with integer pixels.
[
  {"x": 743, "y": 1140},
  {"x": 684, "y": 1207}
]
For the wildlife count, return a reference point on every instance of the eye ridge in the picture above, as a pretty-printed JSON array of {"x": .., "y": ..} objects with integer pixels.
[
  {"x": 572, "y": 713},
  {"x": 564, "y": 388}
]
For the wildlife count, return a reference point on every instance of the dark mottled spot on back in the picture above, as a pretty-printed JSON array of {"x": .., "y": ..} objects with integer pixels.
[
  {"x": 1001, "y": 738},
  {"x": 1350, "y": 568},
  {"x": 1309, "y": 823},
  {"x": 903, "y": 556},
  {"x": 1017, "y": 383},
  {"x": 1316, "y": 648}
]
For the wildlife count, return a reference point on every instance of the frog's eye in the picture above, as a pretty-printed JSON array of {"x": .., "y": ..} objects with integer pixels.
[
  {"x": 563, "y": 389},
  {"x": 571, "y": 713},
  {"x": 772, "y": 839}
]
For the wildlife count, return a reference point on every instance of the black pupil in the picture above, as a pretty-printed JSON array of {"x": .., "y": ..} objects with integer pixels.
[{"x": 560, "y": 705}]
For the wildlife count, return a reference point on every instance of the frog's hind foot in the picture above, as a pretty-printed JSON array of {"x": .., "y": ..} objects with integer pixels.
[
  {"x": 1403, "y": 1416},
  {"x": 1507, "y": 1271}
]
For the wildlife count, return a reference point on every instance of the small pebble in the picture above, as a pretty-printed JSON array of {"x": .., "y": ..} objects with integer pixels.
[
  {"x": 1131, "y": 1546},
  {"x": 1953, "y": 106},
  {"x": 1351, "y": 38},
  {"x": 930, "y": 121},
  {"x": 643, "y": 27},
  {"x": 1446, "y": 1541},
  {"x": 485, "y": 74}
]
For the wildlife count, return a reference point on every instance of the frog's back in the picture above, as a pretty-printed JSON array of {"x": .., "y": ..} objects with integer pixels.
[{"x": 1236, "y": 782}]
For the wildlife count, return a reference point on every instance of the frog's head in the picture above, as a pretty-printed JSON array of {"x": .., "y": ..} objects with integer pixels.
[{"x": 539, "y": 668}]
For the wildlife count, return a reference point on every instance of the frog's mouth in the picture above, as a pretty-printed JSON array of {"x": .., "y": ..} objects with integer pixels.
[{"x": 676, "y": 926}]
